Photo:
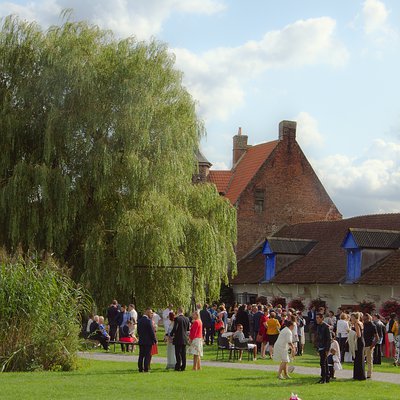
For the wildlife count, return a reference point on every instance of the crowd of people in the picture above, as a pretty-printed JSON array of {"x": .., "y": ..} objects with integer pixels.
[{"x": 267, "y": 331}]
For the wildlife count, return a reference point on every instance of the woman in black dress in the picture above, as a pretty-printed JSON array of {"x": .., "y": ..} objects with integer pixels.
[{"x": 359, "y": 362}]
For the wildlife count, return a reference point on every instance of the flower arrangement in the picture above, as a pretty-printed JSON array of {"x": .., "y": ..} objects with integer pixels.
[
  {"x": 389, "y": 307},
  {"x": 262, "y": 299},
  {"x": 317, "y": 303},
  {"x": 367, "y": 307},
  {"x": 297, "y": 304},
  {"x": 278, "y": 300}
]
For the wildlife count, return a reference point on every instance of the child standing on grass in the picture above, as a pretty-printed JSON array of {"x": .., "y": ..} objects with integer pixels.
[{"x": 334, "y": 357}]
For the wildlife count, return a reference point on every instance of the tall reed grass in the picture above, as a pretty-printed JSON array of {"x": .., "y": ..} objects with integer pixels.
[{"x": 40, "y": 310}]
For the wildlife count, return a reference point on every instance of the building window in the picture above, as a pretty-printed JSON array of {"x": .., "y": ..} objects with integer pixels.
[{"x": 259, "y": 200}]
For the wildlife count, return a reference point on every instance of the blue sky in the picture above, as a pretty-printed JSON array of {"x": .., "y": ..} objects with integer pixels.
[{"x": 330, "y": 65}]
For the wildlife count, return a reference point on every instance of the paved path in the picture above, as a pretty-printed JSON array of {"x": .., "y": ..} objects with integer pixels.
[{"x": 377, "y": 376}]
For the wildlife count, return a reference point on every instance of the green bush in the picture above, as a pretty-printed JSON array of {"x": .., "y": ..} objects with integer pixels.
[{"x": 40, "y": 310}]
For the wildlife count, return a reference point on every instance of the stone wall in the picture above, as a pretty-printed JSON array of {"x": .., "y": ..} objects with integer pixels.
[{"x": 335, "y": 295}]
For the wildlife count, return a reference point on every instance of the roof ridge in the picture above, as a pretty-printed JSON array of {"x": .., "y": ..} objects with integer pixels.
[
  {"x": 373, "y": 230},
  {"x": 344, "y": 219},
  {"x": 289, "y": 239}
]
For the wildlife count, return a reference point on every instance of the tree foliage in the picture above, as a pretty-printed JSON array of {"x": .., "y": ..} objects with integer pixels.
[
  {"x": 40, "y": 310},
  {"x": 98, "y": 138}
]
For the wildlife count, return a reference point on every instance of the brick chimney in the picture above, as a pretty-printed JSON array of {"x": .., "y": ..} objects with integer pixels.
[
  {"x": 287, "y": 130},
  {"x": 239, "y": 146}
]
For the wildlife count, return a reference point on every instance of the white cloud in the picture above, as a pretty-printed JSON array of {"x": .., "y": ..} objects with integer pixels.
[
  {"x": 200, "y": 6},
  {"x": 126, "y": 18},
  {"x": 376, "y": 26},
  {"x": 375, "y": 16},
  {"x": 216, "y": 77},
  {"x": 220, "y": 166},
  {"x": 366, "y": 184},
  {"x": 217, "y": 154},
  {"x": 308, "y": 134}
]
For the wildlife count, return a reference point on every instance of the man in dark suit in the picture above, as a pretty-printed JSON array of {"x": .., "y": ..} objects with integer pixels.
[
  {"x": 147, "y": 338},
  {"x": 381, "y": 329},
  {"x": 323, "y": 342},
  {"x": 205, "y": 317},
  {"x": 112, "y": 316},
  {"x": 242, "y": 318},
  {"x": 311, "y": 316},
  {"x": 180, "y": 339}
]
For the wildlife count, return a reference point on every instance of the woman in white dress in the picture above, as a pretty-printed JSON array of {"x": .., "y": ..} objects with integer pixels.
[
  {"x": 281, "y": 349},
  {"x": 171, "y": 361}
]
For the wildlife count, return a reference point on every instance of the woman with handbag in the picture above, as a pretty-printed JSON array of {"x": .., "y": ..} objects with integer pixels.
[{"x": 196, "y": 340}]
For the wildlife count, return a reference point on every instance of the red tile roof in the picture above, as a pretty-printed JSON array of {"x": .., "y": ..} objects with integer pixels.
[
  {"x": 250, "y": 270},
  {"x": 386, "y": 272},
  {"x": 221, "y": 179},
  {"x": 326, "y": 262},
  {"x": 244, "y": 171}
]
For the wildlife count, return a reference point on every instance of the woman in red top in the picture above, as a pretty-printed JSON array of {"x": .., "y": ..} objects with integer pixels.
[
  {"x": 262, "y": 331},
  {"x": 196, "y": 340}
]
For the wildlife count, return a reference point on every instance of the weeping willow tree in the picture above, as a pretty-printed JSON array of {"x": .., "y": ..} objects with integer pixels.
[{"x": 97, "y": 143}]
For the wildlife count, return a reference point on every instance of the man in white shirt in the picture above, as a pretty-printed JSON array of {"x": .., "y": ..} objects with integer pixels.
[{"x": 133, "y": 312}]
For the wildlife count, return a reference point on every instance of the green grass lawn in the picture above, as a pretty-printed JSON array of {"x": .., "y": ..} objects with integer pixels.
[
  {"x": 310, "y": 357},
  {"x": 120, "y": 380}
]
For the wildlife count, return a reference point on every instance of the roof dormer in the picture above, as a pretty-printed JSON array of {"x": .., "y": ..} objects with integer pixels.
[
  {"x": 365, "y": 247},
  {"x": 280, "y": 252}
]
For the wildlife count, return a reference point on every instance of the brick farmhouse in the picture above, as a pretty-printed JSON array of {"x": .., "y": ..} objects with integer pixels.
[{"x": 292, "y": 241}]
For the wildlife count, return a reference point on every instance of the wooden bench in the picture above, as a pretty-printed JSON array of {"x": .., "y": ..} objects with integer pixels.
[{"x": 130, "y": 345}]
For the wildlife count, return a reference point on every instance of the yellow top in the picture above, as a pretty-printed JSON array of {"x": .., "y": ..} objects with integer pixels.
[
  {"x": 273, "y": 326},
  {"x": 395, "y": 328}
]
